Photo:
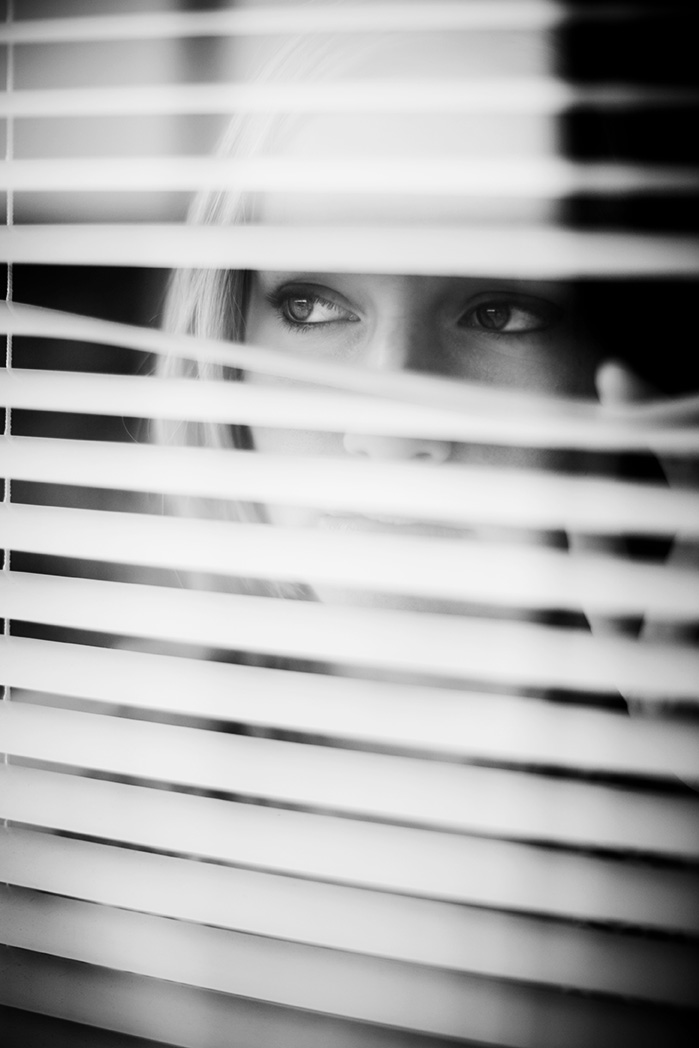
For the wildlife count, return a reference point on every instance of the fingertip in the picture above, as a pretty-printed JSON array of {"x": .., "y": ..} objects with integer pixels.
[{"x": 617, "y": 384}]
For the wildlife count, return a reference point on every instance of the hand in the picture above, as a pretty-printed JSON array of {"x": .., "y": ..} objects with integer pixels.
[{"x": 618, "y": 385}]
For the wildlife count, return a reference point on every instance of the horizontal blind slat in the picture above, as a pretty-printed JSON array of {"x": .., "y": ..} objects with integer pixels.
[
  {"x": 409, "y": 997},
  {"x": 535, "y": 252},
  {"x": 431, "y": 391},
  {"x": 167, "y": 1012},
  {"x": 538, "y": 95},
  {"x": 398, "y": 927},
  {"x": 402, "y": 789},
  {"x": 550, "y": 177},
  {"x": 518, "y": 498},
  {"x": 22, "y": 319},
  {"x": 176, "y": 1014},
  {"x": 408, "y": 17},
  {"x": 441, "y": 568},
  {"x": 490, "y": 726},
  {"x": 286, "y": 973},
  {"x": 538, "y": 656},
  {"x": 419, "y": 862},
  {"x": 245, "y": 404}
]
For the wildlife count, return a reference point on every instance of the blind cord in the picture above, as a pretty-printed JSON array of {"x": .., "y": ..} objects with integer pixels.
[{"x": 9, "y": 221}]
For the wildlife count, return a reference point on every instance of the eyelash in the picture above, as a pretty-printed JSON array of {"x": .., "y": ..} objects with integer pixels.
[
  {"x": 279, "y": 296},
  {"x": 544, "y": 312}
]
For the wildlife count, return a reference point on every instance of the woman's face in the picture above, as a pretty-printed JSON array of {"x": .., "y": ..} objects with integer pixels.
[
  {"x": 516, "y": 334},
  {"x": 501, "y": 333},
  {"x": 507, "y": 333}
]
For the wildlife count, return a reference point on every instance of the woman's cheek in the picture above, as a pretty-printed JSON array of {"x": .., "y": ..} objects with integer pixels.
[
  {"x": 560, "y": 362},
  {"x": 294, "y": 442}
]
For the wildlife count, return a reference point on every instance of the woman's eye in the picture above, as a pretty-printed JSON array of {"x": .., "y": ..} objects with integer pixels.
[
  {"x": 509, "y": 318},
  {"x": 301, "y": 310}
]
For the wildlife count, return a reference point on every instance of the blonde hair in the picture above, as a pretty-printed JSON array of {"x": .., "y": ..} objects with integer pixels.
[{"x": 213, "y": 303}]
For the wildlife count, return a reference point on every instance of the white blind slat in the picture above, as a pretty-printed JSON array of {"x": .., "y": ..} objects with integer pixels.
[
  {"x": 167, "y": 1012},
  {"x": 551, "y": 177},
  {"x": 174, "y": 1013},
  {"x": 537, "y": 252},
  {"x": 419, "y": 862},
  {"x": 19, "y": 319},
  {"x": 251, "y": 966},
  {"x": 468, "y": 799},
  {"x": 413, "y": 930},
  {"x": 518, "y": 498},
  {"x": 246, "y": 404},
  {"x": 528, "y": 95},
  {"x": 377, "y": 17},
  {"x": 491, "y": 726},
  {"x": 382, "y": 991},
  {"x": 448, "y": 646},
  {"x": 453, "y": 569}
]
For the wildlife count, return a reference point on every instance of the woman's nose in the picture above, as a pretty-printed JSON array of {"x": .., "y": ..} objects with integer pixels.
[
  {"x": 398, "y": 344},
  {"x": 396, "y": 448}
]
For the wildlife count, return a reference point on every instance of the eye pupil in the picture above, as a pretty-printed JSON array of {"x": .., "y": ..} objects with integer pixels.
[
  {"x": 494, "y": 318},
  {"x": 299, "y": 309}
]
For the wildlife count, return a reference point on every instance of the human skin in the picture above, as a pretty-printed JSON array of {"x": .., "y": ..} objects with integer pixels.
[{"x": 507, "y": 334}]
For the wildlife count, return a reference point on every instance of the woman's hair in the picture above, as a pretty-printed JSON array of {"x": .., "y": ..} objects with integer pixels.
[
  {"x": 210, "y": 303},
  {"x": 213, "y": 303}
]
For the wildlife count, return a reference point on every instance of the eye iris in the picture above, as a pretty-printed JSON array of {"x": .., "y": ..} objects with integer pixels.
[
  {"x": 494, "y": 318},
  {"x": 299, "y": 309}
]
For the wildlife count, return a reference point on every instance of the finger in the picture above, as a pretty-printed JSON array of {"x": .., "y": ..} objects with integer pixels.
[{"x": 617, "y": 385}]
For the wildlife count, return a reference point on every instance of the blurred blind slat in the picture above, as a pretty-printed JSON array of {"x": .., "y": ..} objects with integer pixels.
[
  {"x": 99, "y": 1000},
  {"x": 339, "y": 917},
  {"x": 205, "y": 401},
  {"x": 325, "y": 980},
  {"x": 405, "y": 860},
  {"x": 540, "y": 178},
  {"x": 576, "y": 503},
  {"x": 417, "y": 643},
  {"x": 538, "y": 253},
  {"x": 492, "y": 727},
  {"x": 291, "y": 822},
  {"x": 480, "y": 800},
  {"x": 495, "y": 574},
  {"x": 533, "y": 95},
  {"x": 167, "y": 1012},
  {"x": 426, "y": 390},
  {"x": 520, "y": 14}
]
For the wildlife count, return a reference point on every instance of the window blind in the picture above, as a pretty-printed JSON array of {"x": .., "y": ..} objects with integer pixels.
[{"x": 235, "y": 813}]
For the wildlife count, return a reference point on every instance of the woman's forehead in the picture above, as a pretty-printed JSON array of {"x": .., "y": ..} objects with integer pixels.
[
  {"x": 360, "y": 143},
  {"x": 417, "y": 288},
  {"x": 399, "y": 151}
]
